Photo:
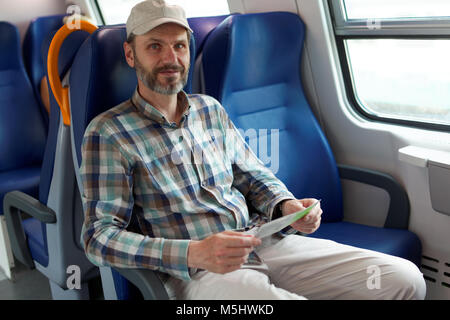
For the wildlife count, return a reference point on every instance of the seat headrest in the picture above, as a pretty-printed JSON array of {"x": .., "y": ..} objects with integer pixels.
[
  {"x": 101, "y": 78},
  {"x": 36, "y": 34},
  {"x": 67, "y": 52},
  {"x": 10, "y": 44},
  {"x": 255, "y": 41},
  {"x": 202, "y": 26}
]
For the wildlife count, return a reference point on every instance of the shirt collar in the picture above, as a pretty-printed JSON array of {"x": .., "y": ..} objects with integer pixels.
[{"x": 154, "y": 114}]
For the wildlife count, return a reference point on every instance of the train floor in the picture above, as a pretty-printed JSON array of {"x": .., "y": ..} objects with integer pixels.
[{"x": 27, "y": 284}]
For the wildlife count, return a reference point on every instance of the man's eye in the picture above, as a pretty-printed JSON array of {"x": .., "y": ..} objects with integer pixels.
[
  {"x": 154, "y": 46},
  {"x": 180, "y": 46}
]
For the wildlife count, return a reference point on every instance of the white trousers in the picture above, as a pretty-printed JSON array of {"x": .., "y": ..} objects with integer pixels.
[{"x": 298, "y": 267}]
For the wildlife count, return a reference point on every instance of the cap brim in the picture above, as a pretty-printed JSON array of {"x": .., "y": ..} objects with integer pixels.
[{"x": 147, "y": 26}]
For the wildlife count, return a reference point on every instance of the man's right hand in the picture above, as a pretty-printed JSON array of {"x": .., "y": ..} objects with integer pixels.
[{"x": 221, "y": 252}]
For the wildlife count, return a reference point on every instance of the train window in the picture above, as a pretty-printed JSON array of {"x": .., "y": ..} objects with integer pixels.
[
  {"x": 117, "y": 11},
  {"x": 394, "y": 58},
  {"x": 357, "y": 9},
  {"x": 402, "y": 78}
]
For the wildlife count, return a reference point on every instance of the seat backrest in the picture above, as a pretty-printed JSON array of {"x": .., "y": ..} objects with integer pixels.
[
  {"x": 37, "y": 32},
  {"x": 251, "y": 64},
  {"x": 22, "y": 129},
  {"x": 67, "y": 54},
  {"x": 101, "y": 79}
]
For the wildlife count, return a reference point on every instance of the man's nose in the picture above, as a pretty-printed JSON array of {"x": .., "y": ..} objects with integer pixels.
[{"x": 169, "y": 56}]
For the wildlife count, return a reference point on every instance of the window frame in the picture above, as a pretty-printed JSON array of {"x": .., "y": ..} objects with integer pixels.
[
  {"x": 98, "y": 11},
  {"x": 404, "y": 29}
]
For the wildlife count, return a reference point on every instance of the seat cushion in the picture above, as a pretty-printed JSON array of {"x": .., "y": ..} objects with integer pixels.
[
  {"x": 396, "y": 242},
  {"x": 34, "y": 233},
  {"x": 25, "y": 180}
]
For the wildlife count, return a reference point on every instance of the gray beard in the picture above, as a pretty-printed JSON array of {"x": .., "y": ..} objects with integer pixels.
[
  {"x": 150, "y": 80},
  {"x": 170, "y": 89}
]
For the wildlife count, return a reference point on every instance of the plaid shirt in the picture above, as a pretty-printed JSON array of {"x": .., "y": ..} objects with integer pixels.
[{"x": 178, "y": 182}]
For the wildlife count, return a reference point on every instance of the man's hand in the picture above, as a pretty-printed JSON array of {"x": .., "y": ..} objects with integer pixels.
[
  {"x": 221, "y": 252},
  {"x": 309, "y": 223}
]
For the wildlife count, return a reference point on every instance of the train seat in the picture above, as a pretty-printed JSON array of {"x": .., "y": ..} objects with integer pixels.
[
  {"x": 263, "y": 90},
  {"x": 99, "y": 68},
  {"x": 22, "y": 129},
  {"x": 48, "y": 241}
]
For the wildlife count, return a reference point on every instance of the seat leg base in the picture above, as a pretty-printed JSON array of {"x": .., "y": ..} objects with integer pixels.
[{"x": 59, "y": 293}]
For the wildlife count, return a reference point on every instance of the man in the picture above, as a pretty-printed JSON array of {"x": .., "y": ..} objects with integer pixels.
[{"x": 176, "y": 165}]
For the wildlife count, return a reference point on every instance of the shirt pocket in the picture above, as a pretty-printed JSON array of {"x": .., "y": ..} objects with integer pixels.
[{"x": 214, "y": 163}]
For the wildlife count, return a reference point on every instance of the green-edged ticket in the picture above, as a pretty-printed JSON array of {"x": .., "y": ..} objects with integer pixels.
[{"x": 279, "y": 224}]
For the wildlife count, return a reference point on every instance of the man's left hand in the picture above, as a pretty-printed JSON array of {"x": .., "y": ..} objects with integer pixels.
[{"x": 309, "y": 223}]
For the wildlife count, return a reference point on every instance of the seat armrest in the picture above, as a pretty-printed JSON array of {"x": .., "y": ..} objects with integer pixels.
[
  {"x": 399, "y": 207},
  {"x": 14, "y": 203},
  {"x": 23, "y": 202},
  {"x": 147, "y": 281}
]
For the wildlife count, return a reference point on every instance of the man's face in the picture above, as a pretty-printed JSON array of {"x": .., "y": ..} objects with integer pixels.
[{"x": 161, "y": 58}]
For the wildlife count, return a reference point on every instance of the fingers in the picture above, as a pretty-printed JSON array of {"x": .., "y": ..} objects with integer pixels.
[
  {"x": 233, "y": 239},
  {"x": 230, "y": 251},
  {"x": 234, "y": 252},
  {"x": 311, "y": 222},
  {"x": 308, "y": 201},
  {"x": 307, "y": 227}
]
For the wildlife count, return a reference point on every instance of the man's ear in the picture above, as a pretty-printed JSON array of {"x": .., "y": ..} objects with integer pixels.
[{"x": 129, "y": 56}]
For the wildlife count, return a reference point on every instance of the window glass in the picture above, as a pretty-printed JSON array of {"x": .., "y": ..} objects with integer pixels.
[
  {"x": 402, "y": 78},
  {"x": 117, "y": 11},
  {"x": 378, "y": 9}
]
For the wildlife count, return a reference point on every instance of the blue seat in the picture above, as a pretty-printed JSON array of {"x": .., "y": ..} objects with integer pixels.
[
  {"x": 251, "y": 64},
  {"x": 202, "y": 27},
  {"x": 22, "y": 127},
  {"x": 101, "y": 79},
  {"x": 38, "y": 30},
  {"x": 48, "y": 241}
]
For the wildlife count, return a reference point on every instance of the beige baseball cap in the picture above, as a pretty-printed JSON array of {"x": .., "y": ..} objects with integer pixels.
[{"x": 149, "y": 14}]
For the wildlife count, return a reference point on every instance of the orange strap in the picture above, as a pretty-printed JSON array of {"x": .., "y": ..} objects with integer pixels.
[{"x": 62, "y": 94}]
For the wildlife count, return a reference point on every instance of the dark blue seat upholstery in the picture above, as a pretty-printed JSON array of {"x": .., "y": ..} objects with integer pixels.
[
  {"x": 22, "y": 127},
  {"x": 22, "y": 130},
  {"x": 37, "y": 32},
  {"x": 251, "y": 64},
  {"x": 101, "y": 79},
  {"x": 202, "y": 27}
]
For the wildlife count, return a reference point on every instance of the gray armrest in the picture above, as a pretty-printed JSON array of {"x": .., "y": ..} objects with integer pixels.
[
  {"x": 15, "y": 202},
  {"x": 147, "y": 281},
  {"x": 399, "y": 207}
]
